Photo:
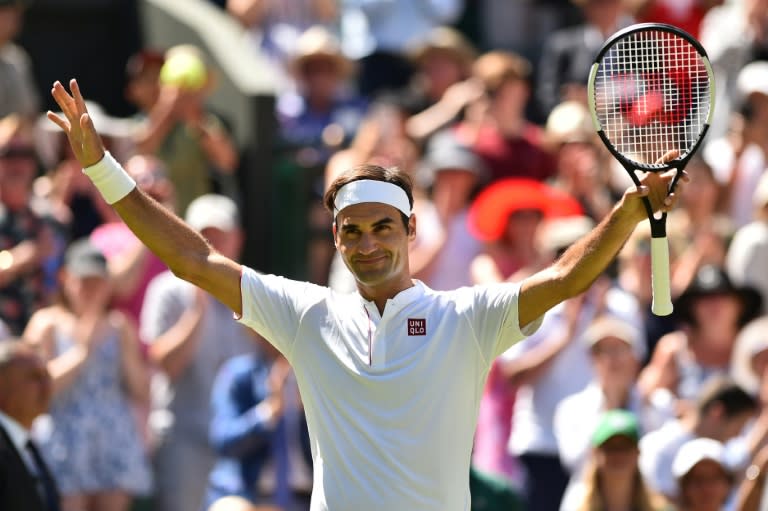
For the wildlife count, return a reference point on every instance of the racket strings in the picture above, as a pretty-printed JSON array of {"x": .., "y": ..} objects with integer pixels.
[{"x": 652, "y": 95}]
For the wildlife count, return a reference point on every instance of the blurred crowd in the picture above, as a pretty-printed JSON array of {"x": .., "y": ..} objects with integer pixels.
[{"x": 158, "y": 400}]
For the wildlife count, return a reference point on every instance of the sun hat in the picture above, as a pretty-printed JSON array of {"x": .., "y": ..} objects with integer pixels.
[
  {"x": 212, "y": 211},
  {"x": 489, "y": 212},
  {"x": 712, "y": 280},
  {"x": 445, "y": 40},
  {"x": 752, "y": 339},
  {"x": 83, "y": 259},
  {"x": 318, "y": 42},
  {"x": 615, "y": 423},
  {"x": 694, "y": 452}
]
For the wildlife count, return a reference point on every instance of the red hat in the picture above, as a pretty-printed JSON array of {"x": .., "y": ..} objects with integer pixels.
[{"x": 489, "y": 213}]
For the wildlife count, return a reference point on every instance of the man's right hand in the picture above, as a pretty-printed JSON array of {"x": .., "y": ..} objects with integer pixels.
[{"x": 77, "y": 124}]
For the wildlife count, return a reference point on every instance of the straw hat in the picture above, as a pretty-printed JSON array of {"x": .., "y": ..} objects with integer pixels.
[
  {"x": 318, "y": 42},
  {"x": 448, "y": 41}
]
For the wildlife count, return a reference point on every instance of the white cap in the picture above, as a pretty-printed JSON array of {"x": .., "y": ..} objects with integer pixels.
[
  {"x": 753, "y": 78},
  {"x": 212, "y": 210},
  {"x": 611, "y": 326},
  {"x": 695, "y": 451}
]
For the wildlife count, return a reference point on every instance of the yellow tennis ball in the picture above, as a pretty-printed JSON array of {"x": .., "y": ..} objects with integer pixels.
[{"x": 185, "y": 70}]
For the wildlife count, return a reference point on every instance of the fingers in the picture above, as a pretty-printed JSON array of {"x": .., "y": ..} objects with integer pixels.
[
  {"x": 61, "y": 123},
  {"x": 668, "y": 156},
  {"x": 64, "y": 100},
  {"x": 78, "y": 97}
]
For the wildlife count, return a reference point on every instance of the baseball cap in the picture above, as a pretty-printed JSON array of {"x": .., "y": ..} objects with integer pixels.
[
  {"x": 213, "y": 210},
  {"x": 615, "y": 423},
  {"x": 695, "y": 451},
  {"x": 611, "y": 326},
  {"x": 84, "y": 259}
]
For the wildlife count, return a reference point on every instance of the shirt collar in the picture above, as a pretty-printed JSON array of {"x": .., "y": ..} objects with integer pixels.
[
  {"x": 18, "y": 433},
  {"x": 403, "y": 298}
]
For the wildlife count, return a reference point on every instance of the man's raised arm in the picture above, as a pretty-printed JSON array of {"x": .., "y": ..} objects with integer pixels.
[
  {"x": 186, "y": 253},
  {"x": 586, "y": 259}
]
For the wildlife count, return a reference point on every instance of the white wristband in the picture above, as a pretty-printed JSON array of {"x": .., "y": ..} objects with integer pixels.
[{"x": 109, "y": 177}]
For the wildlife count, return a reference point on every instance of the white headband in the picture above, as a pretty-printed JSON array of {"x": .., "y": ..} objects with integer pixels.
[{"x": 367, "y": 190}]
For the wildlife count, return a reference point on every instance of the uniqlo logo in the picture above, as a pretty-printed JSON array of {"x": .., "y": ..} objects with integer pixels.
[{"x": 417, "y": 326}]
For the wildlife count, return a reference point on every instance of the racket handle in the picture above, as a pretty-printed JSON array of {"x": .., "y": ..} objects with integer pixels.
[{"x": 662, "y": 296}]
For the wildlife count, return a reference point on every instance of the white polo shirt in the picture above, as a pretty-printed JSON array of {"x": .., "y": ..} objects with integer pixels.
[{"x": 392, "y": 401}]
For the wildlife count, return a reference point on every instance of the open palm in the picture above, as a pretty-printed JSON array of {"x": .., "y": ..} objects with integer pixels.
[{"x": 77, "y": 124}]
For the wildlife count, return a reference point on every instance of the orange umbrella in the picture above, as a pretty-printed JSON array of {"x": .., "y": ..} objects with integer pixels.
[{"x": 489, "y": 213}]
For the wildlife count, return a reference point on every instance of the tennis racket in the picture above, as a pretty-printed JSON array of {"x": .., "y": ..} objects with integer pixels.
[{"x": 651, "y": 90}]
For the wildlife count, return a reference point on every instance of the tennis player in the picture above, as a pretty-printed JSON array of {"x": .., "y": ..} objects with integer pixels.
[{"x": 390, "y": 376}]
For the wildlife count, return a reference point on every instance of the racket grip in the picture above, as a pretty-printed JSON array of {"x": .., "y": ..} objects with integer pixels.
[{"x": 662, "y": 295}]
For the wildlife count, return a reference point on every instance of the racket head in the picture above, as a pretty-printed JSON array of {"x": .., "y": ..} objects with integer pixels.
[{"x": 650, "y": 90}]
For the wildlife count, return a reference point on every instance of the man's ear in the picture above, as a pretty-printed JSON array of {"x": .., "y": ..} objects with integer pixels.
[
  {"x": 412, "y": 227},
  {"x": 333, "y": 230}
]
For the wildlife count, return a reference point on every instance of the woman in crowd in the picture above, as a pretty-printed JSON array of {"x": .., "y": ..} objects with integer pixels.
[
  {"x": 704, "y": 480},
  {"x": 612, "y": 480},
  {"x": 93, "y": 444}
]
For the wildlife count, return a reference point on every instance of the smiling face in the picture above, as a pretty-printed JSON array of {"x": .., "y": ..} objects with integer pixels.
[{"x": 373, "y": 242}]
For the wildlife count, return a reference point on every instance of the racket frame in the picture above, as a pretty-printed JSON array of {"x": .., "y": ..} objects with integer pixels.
[{"x": 662, "y": 304}]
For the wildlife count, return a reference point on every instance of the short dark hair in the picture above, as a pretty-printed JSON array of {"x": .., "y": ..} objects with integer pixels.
[
  {"x": 373, "y": 172},
  {"x": 728, "y": 394}
]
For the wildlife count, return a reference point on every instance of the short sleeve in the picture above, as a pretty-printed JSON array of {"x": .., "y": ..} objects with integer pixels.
[
  {"x": 494, "y": 313},
  {"x": 274, "y": 306}
]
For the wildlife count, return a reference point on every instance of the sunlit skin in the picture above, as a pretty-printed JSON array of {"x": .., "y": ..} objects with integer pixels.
[
  {"x": 25, "y": 387},
  {"x": 705, "y": 487},
  {"x": 373, "y": 242}
]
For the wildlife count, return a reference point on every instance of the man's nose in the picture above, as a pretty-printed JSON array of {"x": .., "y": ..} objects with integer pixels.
[{"x": 367, "y": 243}]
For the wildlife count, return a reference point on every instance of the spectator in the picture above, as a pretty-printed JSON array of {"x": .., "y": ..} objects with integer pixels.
[
  {"x": 507, "y": 215},
  {"x": 142, "y": 74},
  {"x": 379, "y": 33},
  {"x": 750, "y": 355},
  {"x": 92, "y": 352},
  {"x": 26, "y": 481},
  {"x": 568, "y": 53},
  {"x": 583, "y": 167},
  {"x": 508, "y": 143},
  {"x": 721, "y": 411},
  {"x": 617, "y": 350},
  {"x": 740, "y": 158},
  {"x": 193, "y": 143},
  {"x": 747, "y": 255},
  {"x": 452, "y": 174},
  {"x": 699, "y": 230},
  {"x": 703, "y": 477},
  {"x": 321, "y": 115},
  {"x": 18, "y": 90},
  {"x": 25, "y": 238},
  {"x": 734, "y": 34},
  {"x": 440, "y": 88},
  {"x": 612, "y": 479},
  {"x": 547, "y": 367},
  {"x": 275, "y": 26},
  {"x": 711, "y": 311},
  {"x": 259, "y": 433},
  {"x": 190, "y": 335}
]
